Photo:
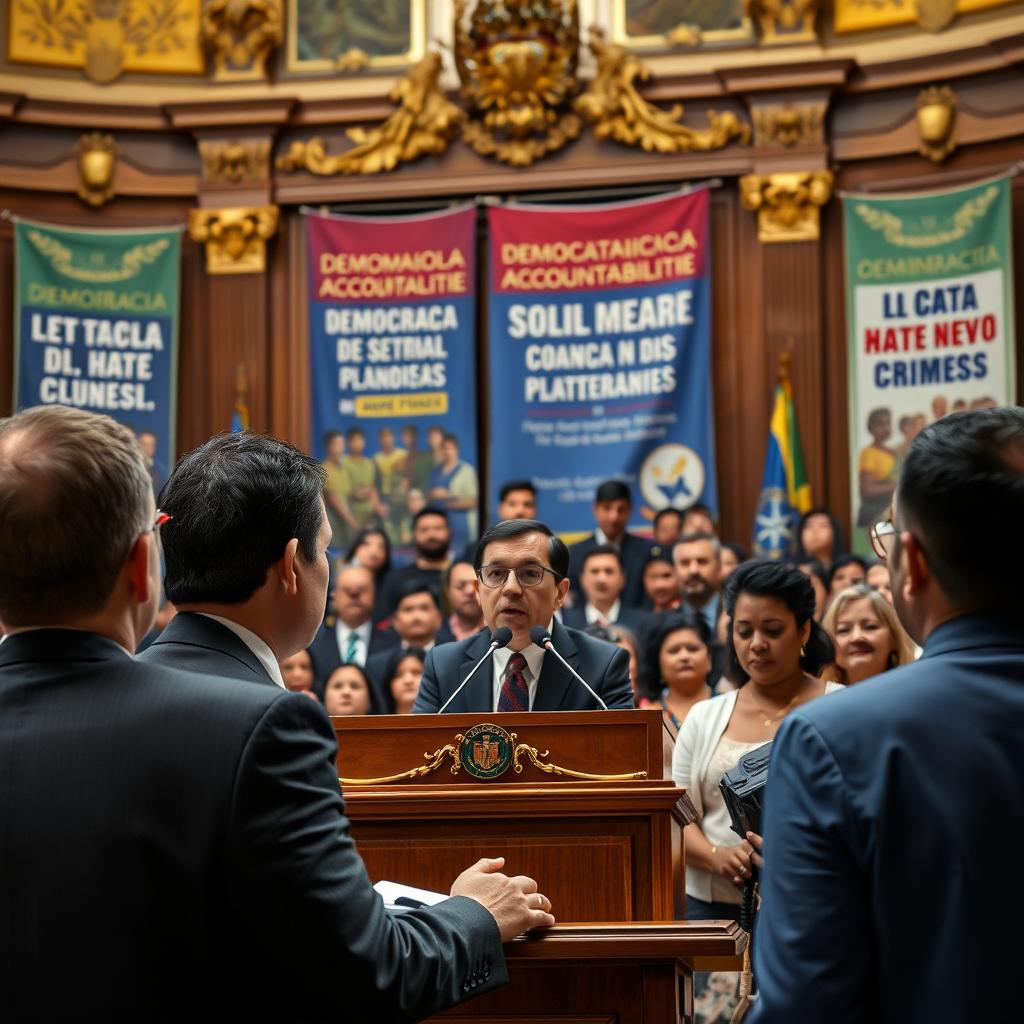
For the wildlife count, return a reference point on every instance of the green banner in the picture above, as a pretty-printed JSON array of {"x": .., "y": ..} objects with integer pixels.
[
  {"x": 929, "y": 324},
  {"x": 96, "y": 327}
]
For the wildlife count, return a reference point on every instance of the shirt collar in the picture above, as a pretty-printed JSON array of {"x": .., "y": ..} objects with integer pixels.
[
  {"x": 593, "y": 615},
  {"x": 601, "y": 538},
  {"x": 533, "y": 654},
  {"x": 259, "y": 647}
]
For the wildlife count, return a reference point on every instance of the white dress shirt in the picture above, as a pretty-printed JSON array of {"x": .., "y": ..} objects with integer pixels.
[
  {"x": 534, "y": 662},
  {"x": 255, "y": 644},
  {"x": 593, "y": 615},
  {"x": 362, "y": 634}
]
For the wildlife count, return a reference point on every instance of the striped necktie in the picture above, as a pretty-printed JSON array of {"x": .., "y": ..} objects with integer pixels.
[
  {"x": 515, "y": 694},
  {"x": 352, "y": 650}
]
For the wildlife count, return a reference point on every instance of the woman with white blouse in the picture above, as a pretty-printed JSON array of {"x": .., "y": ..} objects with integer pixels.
[{"x": 774, "y": 654}]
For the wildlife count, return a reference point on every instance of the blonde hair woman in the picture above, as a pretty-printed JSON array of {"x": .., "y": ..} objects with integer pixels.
[{"x": 868, "y": 637}]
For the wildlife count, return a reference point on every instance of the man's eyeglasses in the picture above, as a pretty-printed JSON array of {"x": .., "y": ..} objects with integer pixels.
[
  {"x": 883, "y": 534},
  {"x": 527, "y": 575}
]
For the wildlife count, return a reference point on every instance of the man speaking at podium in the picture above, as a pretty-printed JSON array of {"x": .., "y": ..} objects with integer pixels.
[{"x": 524, "y": 660}]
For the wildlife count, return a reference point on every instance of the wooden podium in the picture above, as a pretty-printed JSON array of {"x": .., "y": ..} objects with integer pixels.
[{"x": 581, "y": 801}]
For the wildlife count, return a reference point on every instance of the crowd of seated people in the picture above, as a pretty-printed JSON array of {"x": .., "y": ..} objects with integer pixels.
[{"x": 660, "y": 598}]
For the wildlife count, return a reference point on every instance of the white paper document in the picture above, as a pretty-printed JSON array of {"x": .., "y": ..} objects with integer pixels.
[{"x": 399, "y": 898}]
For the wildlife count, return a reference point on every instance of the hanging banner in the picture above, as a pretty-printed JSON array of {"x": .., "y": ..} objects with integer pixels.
[
  {"x": 96, "y": 327},
  {"x": 930, "y": 324},
  {"x": 392, "y": 322},
  {"x": 600, "y": 355}
]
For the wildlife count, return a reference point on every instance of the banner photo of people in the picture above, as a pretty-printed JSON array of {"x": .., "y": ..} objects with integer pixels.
[
  {"x": 96, "y": 327},
  {"x": 600, "y": 355},
  {"x": 930, "y": 325},
  {"x": 392, "y": 316}
]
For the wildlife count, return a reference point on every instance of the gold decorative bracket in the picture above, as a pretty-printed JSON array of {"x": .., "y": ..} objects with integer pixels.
[
  {"x": 784, "y": 22},
  {"x": 936, "y": 121},
  {"x": 554, "y": 769},
  {"x": 617, "y": 111},
  {"x": 235, "y": 238},
  {"x": 235, "y": 160},
  {"x": 434, "y": 761},
  {"x": 788, "y": 204},
  {"x": 97, "y": 161}
]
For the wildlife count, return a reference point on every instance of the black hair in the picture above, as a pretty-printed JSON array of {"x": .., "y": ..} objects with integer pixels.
[
  {"x": 841, "y": 562},
  {"x": 558, "y": 553},
  {"x": 417, "y": 586},
  {"x": 601, "y": 549},
  {"x": 330, "y": 436},
  {"x": 658, "y": 555},
  {"x": 411, "y": 428},
  {"x": 355, "y": 432},
  {"x": 785, "y": 583},
  {"x": 699, "y": 508},
  {"x": 452, "y": 438},
  {"x": 371, "y": 531},
  {"x": 650, "y": 656},
  {"x": 613, "y": 490},
  {"x": 741, "y": 555},
  {"x": 429, "y": 510},
  {"x": 516, "y": 485},
  {"x": 398, "y": 655},
  {"x": 969, "y": 468},
  {"x": 815, "y": 567},
  {"x": 876, "y": 414},
  {"x": 669, "y": 510},
  {"x": 235, "y": 502},
  {"x": 838, "y": 544}
]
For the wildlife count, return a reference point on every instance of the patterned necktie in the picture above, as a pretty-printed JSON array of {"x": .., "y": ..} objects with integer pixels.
[
  {"x": 515, "y": 695},
  {"x": 352, "y": 651}
]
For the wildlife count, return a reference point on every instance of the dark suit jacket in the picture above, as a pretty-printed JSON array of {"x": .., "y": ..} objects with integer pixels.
[
  {"x": 895, "y": 810},
  {"x": 637, "y": 621},
  {"x": 604, "y": 666},
  {"x": 634, "y": 553},
  {"x": 175, "y": 845},
  {"x": 195, "y": 643},
  {"x": 326, "y": 657}
]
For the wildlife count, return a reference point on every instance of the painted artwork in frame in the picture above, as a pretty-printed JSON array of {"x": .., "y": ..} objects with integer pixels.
[
  {"x": 657, "y": 24},
  {"x": 353, "y": 35}
]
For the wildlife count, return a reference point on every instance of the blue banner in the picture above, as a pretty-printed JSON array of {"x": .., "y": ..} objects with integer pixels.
[
  {"x": 392, "y": 318},
  {"x": 600, "y": 361}
]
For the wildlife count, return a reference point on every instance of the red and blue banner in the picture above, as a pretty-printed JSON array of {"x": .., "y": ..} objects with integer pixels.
[
  {"x": 392, "y": 315},
  {"x": 600, "y": 354}
]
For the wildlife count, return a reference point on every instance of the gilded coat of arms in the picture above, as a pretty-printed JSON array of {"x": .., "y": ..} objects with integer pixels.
[{"x": 486, "y": 751}]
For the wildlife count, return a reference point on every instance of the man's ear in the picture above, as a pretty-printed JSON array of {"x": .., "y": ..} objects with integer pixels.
[
  {"x": 287, "y": 569},
  {"x": 917, "y": 572},
  {"x": 139, "y": 579},
  {"x": 563, "y": 589}
]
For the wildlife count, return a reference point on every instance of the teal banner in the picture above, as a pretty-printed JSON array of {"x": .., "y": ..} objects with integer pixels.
[{"x": 96, "y": 327}]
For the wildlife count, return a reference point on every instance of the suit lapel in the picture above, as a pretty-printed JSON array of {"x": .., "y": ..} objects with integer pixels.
[
  {"x": 555, "y": 680},
  {"x": 479, "y": 692}
]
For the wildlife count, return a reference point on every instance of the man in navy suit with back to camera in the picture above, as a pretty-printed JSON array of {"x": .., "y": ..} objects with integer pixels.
[
  {"x": 166, "y": 831},
  {"x": 895, "y": 809},
  {"x": 521, "y": 571}
]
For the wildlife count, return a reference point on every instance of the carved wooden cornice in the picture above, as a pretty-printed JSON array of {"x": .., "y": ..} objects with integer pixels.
[{"x": 787, "y": 204}]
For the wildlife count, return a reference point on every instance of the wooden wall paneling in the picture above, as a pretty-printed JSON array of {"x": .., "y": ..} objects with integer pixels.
[
  {"x": 6, "y": 315},
  {"x": 194, "y": 424},
  {"x": 289, "y": 335}
]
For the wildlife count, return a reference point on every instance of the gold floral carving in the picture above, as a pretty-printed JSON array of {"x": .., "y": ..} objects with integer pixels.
[
  {"x": 787, "y": 204},
  {"x": 235, "y": 238},
  {"x": 235, "y": 161},
  {"x": 962, "y": 221},
  {"x": 353, "y": 59},
  {"x": 517, "y": 63},
  {"x": 97, "y": 160},
  {"x": 106, "y": 37},
  {"x": 61, "y": 259},
  {"x": 684, "y": 34},
  {"x": 617, "y": 111},
  {"x": 936, "y": 121},
  {"x": 241, "y": 35},
  {"x": 784, "y": 21},
  {"x": 425, "y": 122},
  {"x": 788, "y": 126}
]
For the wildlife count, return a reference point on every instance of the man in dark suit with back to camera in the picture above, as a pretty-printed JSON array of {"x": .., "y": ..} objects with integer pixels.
[
  {"x": 895, "y": 808},
  {"x": 165, "y": 831},
  {"x": 521, "y": 571}
]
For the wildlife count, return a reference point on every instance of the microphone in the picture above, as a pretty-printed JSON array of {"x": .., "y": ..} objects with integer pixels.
[
  {"x": 501, "y": 637},
  {"x": 540, "y": 636}
]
